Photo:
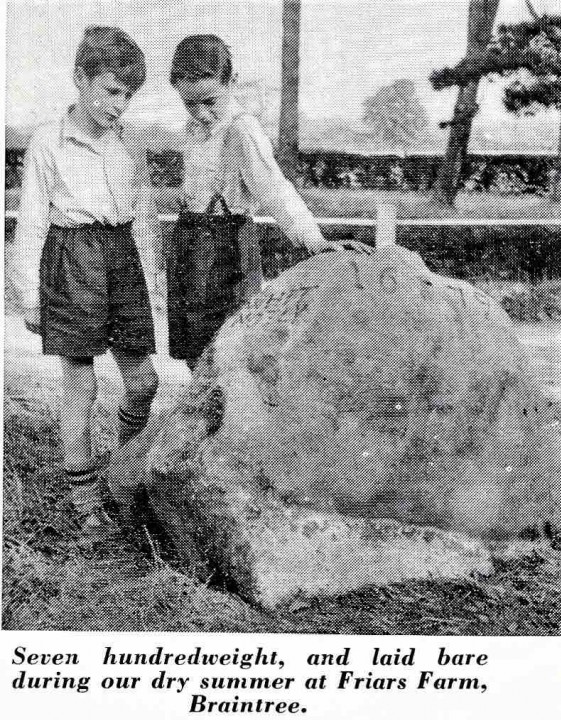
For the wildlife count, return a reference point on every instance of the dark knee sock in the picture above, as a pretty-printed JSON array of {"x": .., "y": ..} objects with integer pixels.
[
  {"x": 85, "y": 492},
  {"x": 131, "y": 424}
]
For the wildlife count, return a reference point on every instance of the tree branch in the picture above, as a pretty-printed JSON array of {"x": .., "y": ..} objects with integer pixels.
[{"x": 532, "y": 10}]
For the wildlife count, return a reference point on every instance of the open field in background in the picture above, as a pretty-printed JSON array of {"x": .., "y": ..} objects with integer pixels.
[
  {"x": 362, "y": 203},
  {"x": 49, "y": 584},
  {"x": 357, "y": 203}
]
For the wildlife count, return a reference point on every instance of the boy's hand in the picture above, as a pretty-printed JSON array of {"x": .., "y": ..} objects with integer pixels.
[
  {"x": 316, "y": 246},
  {"x": 357, "y": 246},
  {"x": 339, "y": 246},
  {"x": 32, "y": 320}
]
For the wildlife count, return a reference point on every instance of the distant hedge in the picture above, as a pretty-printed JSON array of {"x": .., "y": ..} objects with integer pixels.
[{"x": 508, "y": 174}]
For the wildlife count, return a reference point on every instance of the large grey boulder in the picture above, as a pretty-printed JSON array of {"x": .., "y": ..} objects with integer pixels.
[{"x": 363, "y": 420}]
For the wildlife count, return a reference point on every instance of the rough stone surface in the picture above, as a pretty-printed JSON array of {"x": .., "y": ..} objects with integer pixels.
[{"x": 361, "y": 421}]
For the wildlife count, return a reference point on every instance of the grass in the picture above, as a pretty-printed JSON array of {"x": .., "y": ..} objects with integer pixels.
[
  {"x": 527, "y": 302},
  {"x": 359, "y": 203},
  {"x": 362, "y": 203},
  {"x": 49, "y": 584}
]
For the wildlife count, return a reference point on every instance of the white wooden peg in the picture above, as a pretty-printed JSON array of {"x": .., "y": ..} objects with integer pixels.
[{"x": 386, "y": 219}]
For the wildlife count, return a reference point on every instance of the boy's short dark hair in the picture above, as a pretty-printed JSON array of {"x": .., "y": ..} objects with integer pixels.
[
  {"x": 201, "y": 56},
  {"x": 109, "y": 49}
]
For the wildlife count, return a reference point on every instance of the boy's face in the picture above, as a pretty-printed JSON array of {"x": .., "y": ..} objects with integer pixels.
[
  {"x": 206, "y": 100},
  {"x": 104, "y": 98}
]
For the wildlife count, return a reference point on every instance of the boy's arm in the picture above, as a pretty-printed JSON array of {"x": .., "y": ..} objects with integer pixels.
[
  {"x": 32, "y": 227},
  {"x": 147, "y": 232},
  {"x": 275, "y": 194}
]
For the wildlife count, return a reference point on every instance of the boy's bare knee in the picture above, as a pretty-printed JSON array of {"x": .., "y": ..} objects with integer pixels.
[
  {"x": 80, "y": 383},
  {"x": 83, "y": 395},
  {"x": 143, "y": 388}
]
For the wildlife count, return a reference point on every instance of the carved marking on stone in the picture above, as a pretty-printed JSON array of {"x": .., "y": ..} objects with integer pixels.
[
  {"x": 427, "y": 288},
  {"x": 302, "y": 304},
  {"x": 277, "y": 306},
  {"x": 454, "y": 304},
  {"x": 388, "y": 280},
  {"x": 484, "y": 300},
  {"x": 354, "y": 266},
  {"x": 459, "y": 292}
]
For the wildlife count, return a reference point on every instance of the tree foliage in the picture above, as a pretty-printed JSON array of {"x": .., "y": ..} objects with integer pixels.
[
  {"x": 528, "y": 55},
  {"x": 395, "y": 114},
  {"x": 533, "y": 46}
]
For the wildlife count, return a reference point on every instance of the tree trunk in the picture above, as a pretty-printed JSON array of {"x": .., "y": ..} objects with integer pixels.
[
  {"x": 480, "y": 31},
  {"x": 288, "y": 127},
  {"x": 450, "y": 171},
  {"x": 556, "y": 194}
]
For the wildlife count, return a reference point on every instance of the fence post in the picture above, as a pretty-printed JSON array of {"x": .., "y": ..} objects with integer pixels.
[{"x": 386, "y": 217}]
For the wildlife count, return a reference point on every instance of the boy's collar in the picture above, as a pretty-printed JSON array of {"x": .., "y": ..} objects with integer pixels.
[{"x": 70, "y": 130}]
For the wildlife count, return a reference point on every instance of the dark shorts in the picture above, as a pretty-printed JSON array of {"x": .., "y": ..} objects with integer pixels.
[
  {"x": 203, "y": 274},
  {"x": 93, "y": 292}
]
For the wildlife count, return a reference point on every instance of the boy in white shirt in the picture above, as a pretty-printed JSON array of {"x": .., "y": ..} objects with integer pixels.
[
  {"x": 227, "y": 150},
  {"x": 76, "y": 265},
  {"x": 227, "y": 153}
]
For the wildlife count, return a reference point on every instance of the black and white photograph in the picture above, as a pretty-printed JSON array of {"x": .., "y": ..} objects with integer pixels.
[{"x": 282, "y": 319}]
